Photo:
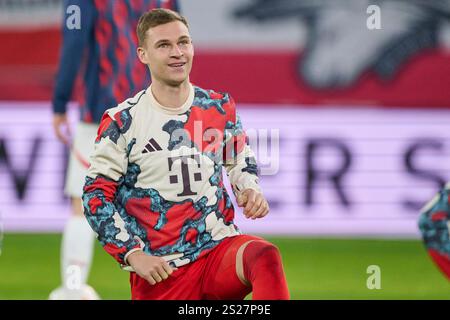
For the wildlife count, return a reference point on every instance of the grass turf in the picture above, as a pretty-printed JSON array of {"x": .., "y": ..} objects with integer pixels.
[{"x": 315, "y": 269}]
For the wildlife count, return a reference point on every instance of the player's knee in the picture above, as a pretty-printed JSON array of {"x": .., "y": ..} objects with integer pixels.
[
  {"x": 272, "y": 252},
  {"x": 265, "y": 250},
  {"x": 267, "y": 247}
]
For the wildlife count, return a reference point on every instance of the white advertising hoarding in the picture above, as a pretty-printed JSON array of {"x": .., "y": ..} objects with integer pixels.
[{"x": 337, "y": 171}]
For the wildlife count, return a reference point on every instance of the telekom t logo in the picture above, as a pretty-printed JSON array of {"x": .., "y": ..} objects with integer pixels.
[{"x": 185, "y": 174}]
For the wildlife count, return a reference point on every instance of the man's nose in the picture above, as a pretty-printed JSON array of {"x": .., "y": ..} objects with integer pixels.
[{"x": 176, "y": 51}]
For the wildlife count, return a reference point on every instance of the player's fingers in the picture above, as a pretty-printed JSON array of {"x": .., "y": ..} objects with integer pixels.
[
  {"x": 61, "y": 137},
  {"x": 162, "y": 272},
  {"x": 250, "y": 202},
  {"x": 242, "y": 200},
  {"x": 58, "y": 123},
  {"x": 260, "y": 210},
  {"x": 172, "y": 265},
  {"x": 169, "y": 270},
  {"x": 68, "y": 133},
  {"x": 266, "y": 211},
  {"x": 155, "y": 275},
  {"x": 69, "y": 130},
  {"x": 256, "y": 205},
  {"x": 257, "y": 210},
  {"x": 150, "y": 279}
]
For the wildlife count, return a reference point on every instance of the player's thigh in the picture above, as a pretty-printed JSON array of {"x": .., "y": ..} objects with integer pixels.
[
  {"x": 181, "y": 285},
  {"x": 221, "y": 280}
]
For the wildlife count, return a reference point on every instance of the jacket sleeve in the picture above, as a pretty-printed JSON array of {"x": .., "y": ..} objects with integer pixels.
[
  {"x": 434, "y": 221},
  {"x": 108, "y": 165},
  {"x": 74, "y": 42},
  {"x": 239, "y": 159}
]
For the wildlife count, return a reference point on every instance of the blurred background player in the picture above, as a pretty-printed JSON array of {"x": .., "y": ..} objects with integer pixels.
[
  {"x": 103, "y": 50},
  {"x": 434, "y": 223}
]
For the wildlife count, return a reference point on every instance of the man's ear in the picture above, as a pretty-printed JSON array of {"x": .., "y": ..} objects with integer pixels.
[{"x": 142, "y": 55}]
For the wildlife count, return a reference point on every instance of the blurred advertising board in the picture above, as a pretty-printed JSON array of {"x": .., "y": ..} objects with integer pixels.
[{"x": 336, "y": 171}]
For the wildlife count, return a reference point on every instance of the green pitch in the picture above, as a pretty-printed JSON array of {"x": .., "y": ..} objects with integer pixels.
[{"x": 315, "y": 269}]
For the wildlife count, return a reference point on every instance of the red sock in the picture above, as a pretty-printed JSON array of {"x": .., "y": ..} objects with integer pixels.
[
  {"x": 263, "y": 268},
  {"x": 442, "y": 261}
]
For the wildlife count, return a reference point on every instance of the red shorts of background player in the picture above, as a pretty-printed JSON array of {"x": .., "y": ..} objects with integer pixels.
[{"x": 210, "y": 277}]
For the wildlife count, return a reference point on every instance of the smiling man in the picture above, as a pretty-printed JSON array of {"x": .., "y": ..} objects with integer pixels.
[{"x": 154, "y": 192}]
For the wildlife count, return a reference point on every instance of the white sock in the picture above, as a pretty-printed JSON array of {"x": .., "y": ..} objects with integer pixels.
[{"x": 76, "y": 252}]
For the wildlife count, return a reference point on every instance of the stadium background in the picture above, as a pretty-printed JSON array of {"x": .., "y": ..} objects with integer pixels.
[{"x": 350, "y": 126}]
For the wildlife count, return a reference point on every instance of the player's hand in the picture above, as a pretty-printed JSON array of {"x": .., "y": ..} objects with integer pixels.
[
  {"x": 151, "y": 268},
  {"x": 254, "y": 204},
  {"x": 60, "y": 122}
]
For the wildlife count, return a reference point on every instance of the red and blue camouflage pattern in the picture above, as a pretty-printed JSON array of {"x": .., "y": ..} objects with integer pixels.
[
  {"x": 434, "y": 224},
  {"x": 159, "y": 226}
]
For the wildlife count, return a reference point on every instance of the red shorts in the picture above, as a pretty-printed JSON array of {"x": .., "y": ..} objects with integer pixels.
[{"x": 210, "y": 277}]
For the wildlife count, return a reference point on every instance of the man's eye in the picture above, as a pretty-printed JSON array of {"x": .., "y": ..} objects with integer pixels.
[{"x": 163, "y": 45}]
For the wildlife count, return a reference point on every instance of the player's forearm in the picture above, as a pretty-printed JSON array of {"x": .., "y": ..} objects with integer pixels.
[
  {"x": 239, "y": 159},
  {"x": 104, "y": 218},
  {"x": 241, "y": 180},
  {"x": 68, "y": 68},
  {"x": 65, "y": 80},
  {"x": 242, "y": 171}
]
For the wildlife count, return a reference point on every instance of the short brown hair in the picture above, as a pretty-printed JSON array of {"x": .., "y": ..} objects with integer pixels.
[{"x": 154, "y": 18}]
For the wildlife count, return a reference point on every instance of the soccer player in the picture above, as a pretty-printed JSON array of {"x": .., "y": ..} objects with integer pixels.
[
  {"x": 434, "y": 223},
  {"x": 102, "y": 49},
  {"x": 154, "y": 192}
]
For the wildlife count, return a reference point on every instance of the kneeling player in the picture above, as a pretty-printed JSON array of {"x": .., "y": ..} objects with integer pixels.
[{"x": 154, "y": 193}]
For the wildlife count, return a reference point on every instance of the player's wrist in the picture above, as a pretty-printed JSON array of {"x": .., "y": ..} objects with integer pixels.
[{"x": 132, "y": 256}]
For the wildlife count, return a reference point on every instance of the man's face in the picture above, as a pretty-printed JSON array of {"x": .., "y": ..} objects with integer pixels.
[{"x": 168, "y": 52}]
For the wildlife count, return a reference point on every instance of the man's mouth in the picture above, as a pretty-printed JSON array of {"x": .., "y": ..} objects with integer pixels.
[{"x": 177, "y": 65}]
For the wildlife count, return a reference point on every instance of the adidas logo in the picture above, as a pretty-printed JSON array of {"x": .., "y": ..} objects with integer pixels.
[{"x": 151, "y": 146}]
